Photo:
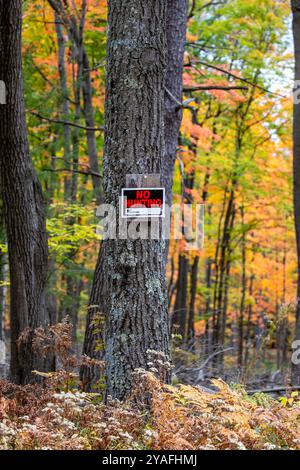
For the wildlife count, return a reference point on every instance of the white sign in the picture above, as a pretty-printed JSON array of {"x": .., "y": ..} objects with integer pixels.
[{"x": 143, "y": 202}]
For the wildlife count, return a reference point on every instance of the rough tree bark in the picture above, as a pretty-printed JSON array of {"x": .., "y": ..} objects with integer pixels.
[
  {"x": 176, "y": 33},
  {"x": 296, "y": 170},
  {"x": 134, "y": 290},
  {"x": 23, "y": 206}
]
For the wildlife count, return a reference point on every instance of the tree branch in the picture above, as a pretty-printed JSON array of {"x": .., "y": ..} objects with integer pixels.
[
  {"x": 66, "y": 123},
  {"x": 230, "y": 74},
  {"x": 184, "y": 104},
  {"x": 192, "y": 9},
  {"x": 81, "y": 172},
  {"x": 214, "y": 87}
]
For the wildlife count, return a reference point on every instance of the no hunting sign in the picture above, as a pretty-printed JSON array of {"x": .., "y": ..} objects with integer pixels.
[{"x": 143, "y": 202}]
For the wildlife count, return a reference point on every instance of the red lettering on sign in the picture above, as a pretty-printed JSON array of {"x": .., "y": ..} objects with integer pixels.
[
  {"x": 144, "y": 202},
  {"x": 142, "y": 194}
]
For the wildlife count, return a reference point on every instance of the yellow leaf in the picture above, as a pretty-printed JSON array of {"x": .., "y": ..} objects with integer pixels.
[{"x": 283, "y": 400}]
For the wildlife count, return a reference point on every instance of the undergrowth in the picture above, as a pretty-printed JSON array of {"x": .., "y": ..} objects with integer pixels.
[
  {"x": 59, "y": 416},
  {"x": 175, "y": 417}
]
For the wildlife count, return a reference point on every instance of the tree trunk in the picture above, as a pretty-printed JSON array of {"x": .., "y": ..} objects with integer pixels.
[
  {"x": 223, "y": 267},
  {"x": 176, "y": 33},
  {"x": 243, "y": 296},
  {"x": 3, "y": 293},
  {"x": 90, "y": 122},
  {"x": 64, "y": 100},
  {"x": 3, "y": 281},
  {"x": 177, "y": 11},
  {"x": 93, "y": 345},
  {"x": 134, "y": 288},
  {"x": 75, "y": 27},
  {"x": 180, "y": 306},
  {"x": 193, "y": 295},
  {"x": 195, "y": 265},
  {"x": 296, "y": 171},
  {"x": 23, "y": 206},
  {"x": 249, "y": 321}
]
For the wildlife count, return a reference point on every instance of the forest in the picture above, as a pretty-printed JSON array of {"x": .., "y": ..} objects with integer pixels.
[{"x": 149, "y": 225}]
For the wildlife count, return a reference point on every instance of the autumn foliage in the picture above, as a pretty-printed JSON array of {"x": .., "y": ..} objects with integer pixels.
[{"x": 232, "y": 304}]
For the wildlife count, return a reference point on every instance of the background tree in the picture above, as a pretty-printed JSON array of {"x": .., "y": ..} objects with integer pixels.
[
  {"x": 23, "y": 207},
  {"x": 176, "y": 26},
  {"x": 296, "y": 166}
]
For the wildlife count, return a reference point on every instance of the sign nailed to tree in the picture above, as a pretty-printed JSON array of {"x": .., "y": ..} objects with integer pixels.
[{"x": 143, "y": 202}]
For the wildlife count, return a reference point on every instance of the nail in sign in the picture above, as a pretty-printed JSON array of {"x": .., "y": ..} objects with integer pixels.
[{"x": 143, "y": 202}]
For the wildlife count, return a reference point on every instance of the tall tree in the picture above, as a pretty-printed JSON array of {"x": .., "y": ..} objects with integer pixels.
[
  {"x": 177, "y": 11},
  {"x": 74, "y": 25},
  {"x": 23, "y": 206},
  {"x": 296, "y": 167},
  {"x": 134, "y": 291},
  {"x": 176, "y": 21}
]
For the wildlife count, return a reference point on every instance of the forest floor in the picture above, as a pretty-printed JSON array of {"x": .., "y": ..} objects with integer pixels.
[{"x": 156, "y": 417}]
